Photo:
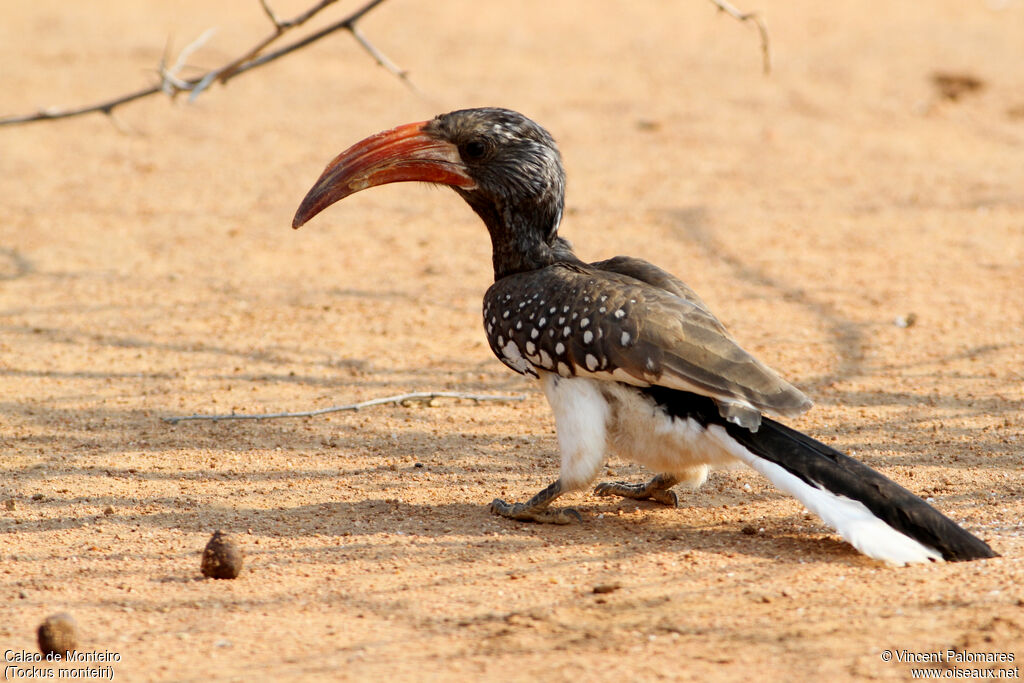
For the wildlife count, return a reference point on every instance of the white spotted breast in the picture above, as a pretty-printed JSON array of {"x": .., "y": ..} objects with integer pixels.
[{"x": 561, "y": 320}]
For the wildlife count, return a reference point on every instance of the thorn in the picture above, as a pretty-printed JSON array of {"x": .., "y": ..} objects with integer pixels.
[{"x": 202, "y": 85}]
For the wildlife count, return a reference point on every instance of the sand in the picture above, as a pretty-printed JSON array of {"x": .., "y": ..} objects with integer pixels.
[{"x": 147, "y": 269}]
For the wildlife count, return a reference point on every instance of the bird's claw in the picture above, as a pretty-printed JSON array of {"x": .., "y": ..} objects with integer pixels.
[
  {"x": 665, "y": 497},
  {"x": 623, "y": 489},
  {"x": 523, "y": 513}
]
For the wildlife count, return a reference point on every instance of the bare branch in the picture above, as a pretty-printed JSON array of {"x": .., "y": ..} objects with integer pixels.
[
  {"x": 305, "y": 16},
  {"x": 379, "y": 56},
  {"x": 171, "y": 84},
  {"x": 753, "y": 17},
  {"x": 345, "y": 24},
  {"x": 417, "y": 396},
  {"x": 270, "y": 13}
]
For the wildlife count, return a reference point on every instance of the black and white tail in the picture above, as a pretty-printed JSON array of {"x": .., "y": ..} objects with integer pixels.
[{"x": 874, "y": 514}]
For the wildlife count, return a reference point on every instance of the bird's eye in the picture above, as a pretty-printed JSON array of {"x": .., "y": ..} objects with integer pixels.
[{"x": 474, "y": 149}]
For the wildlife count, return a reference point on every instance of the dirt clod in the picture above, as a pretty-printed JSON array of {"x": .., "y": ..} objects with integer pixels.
[
  {"x": 222, "y": 557},
  {"x": 953, "y": 86},
  {"x": 58, "y": 634}
]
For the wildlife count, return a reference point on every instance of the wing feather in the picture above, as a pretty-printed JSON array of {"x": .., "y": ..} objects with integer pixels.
[{"x": 628, "y": 320}]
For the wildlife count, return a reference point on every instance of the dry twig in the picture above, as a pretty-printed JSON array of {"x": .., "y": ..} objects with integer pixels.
[
  {"x": 753, "y": 17},
  {"x": 421, "y": 396},
  {"x": 171, "y": 84}
]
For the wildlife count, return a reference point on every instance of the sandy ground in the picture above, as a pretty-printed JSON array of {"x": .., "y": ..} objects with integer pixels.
[{"x": 147, "y": 269}]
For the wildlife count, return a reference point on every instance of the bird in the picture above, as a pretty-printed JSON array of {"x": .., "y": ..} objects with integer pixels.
[{"x": 630, "y": 358}]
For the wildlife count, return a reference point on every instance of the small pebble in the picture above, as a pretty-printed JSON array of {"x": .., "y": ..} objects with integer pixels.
[
  {"x": 905, "y": 320},
  {"x": 749, "y": 530},
  {"x": 58, "y": 634},
  {"x": 602, "y": 588},
  {"x": 222, "y": 557},
  {"x": 10, "y": 504},
  {"x": 108, "y": 510},
  {"x": 38, "y": 496}
]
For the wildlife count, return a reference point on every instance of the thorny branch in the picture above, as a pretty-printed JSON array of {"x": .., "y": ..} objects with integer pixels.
[
  {"x": 420, "y": 396},
  {"x": 171, "y": 84},
  {"x": 254, "y": 57},
  {"x": 753, "y": 17}
]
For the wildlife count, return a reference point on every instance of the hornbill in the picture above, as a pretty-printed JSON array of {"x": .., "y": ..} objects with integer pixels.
[{"x": 630, "y": 358}]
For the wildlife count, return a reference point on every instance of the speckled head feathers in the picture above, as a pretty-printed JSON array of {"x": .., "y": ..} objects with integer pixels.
[{"x": 516, "y": 166}]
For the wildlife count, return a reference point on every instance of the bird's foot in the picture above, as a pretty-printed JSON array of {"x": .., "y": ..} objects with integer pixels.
[
  {"x": 658, "y": 489},
  {"x": 524, "y": 512}
]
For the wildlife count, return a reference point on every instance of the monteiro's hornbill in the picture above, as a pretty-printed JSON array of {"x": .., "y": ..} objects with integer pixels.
[{"x": 630, "y": 358}]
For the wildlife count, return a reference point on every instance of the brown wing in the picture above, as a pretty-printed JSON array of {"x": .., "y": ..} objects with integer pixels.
[
  {"x": 645, "y": 271},
  {"x": 580, "y": 320}
]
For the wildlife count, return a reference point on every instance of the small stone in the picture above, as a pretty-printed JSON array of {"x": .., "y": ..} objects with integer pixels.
[
  {"x": 108, "y": 510},
  {"x": 58, "y": 634},
  {"x": 38, "y": 496},
  {"x": 904, "y": 321},
  {"x": 749, "y": 530},
  {"x": 603, "y": 588},
  {"x": 222, "y": 557},
  {"x": 952, "y": 86},
  {"x": 9, "y": 504},
  {"x": 418, "y": 465}
]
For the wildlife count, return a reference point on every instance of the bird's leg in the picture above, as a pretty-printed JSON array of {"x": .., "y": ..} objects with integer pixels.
[
  {"x": 659, "y": 489},
  {"x": 536, "y": 509}
]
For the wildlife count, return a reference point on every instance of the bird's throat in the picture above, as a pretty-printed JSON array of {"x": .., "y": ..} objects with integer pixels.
[{"x": 522, "y": 241}]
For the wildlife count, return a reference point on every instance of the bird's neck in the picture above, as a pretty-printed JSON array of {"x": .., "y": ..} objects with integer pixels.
[
  {"x": 511, "y": 258},
  {"x": 524, "y": 238}
]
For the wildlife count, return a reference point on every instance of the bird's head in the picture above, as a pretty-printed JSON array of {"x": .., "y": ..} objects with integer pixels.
[{"x": 504, "y": 165}]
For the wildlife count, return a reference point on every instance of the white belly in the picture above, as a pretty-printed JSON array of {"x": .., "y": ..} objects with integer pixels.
[
  {"x": 594, "y": 417},
  {"x": 639, "y": 430}
]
